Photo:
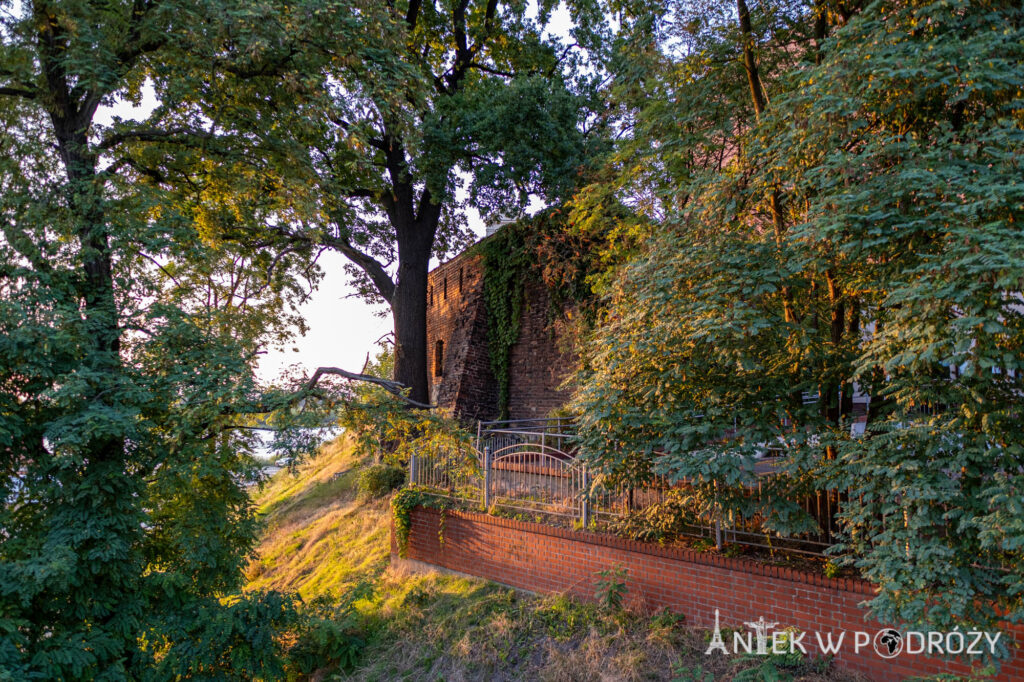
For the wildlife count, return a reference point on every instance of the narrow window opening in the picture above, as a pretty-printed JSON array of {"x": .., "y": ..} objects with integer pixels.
[
  {"x": 431, "y": 301},
  {"x": 460, "y": 280},
  {"x": 445, "y": 294},
  {"x": 439, "y": 358}
]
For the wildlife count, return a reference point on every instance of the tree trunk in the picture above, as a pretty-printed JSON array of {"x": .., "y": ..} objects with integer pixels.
[
  {"x": 409, "y": 307},
  {"x": 749, "y": 61}
]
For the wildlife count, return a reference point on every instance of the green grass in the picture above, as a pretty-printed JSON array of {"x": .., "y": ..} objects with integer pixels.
[{"x": 320, "y": 540}]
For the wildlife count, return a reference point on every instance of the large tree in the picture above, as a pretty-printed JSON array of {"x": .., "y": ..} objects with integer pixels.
[
  {"x": 864, "y": 227},
  {"x": 372, "y": 152},
  {"x": 127, "y": 347}
]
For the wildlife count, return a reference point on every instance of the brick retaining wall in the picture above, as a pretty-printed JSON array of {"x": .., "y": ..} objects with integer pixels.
[{"x": 542, "y": 558}]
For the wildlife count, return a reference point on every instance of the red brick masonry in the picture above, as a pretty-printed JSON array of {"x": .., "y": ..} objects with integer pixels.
[{"x": 542, "y": 558}]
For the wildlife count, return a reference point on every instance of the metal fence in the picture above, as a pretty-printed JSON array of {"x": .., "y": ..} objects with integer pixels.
[
  {"x": 558, "y": 433},
  {"x": 531, "y": 467},
  {"x": 527, "y": 466}
]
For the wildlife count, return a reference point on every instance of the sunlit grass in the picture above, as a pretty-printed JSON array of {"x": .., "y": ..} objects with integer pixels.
[{"x": 318, "y": 539}]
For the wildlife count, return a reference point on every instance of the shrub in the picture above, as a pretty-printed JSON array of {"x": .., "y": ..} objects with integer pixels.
[
  {"x": 611, "y": 588},
  {"x": 379, "y": 480},
  {"x": 329, "y": 636},
  {"x": 664, "y": 521}
]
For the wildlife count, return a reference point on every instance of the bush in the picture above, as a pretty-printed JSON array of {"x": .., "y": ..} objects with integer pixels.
[
  {"x": 329, "y": 636},
  {"x": 379, "y": 480}
]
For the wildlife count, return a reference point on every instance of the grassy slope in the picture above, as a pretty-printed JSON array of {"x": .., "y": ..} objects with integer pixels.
[{"x": 320, "y": 540}]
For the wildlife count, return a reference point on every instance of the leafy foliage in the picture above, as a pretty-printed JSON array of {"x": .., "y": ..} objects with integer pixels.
[
  {"x": 331, "y": 635},
  {"x": 128, "y": 338},
  {"x": 402, "y": 504},
  {"x": 379, "y": 480},
  {"x": 858, "y": 231}
]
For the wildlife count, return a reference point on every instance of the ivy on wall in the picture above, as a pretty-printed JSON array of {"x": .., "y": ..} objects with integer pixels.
[
  {"x": 543, "y": 247},
  {"x": 506, "y": 262}
]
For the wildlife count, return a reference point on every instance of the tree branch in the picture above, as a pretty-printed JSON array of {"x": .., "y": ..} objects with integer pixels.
[
  {"x": 413, "y": 14},
  {"x": 370, "y": 265},
  {"x": 362, "y": 193},
  {"x": 392, "y": 387},
  {"x": 26, "y": 93},
  {"x": 492, "y": 8},
  {"x": 174, "y": 135},
  {"x": 491, "y": 70},
  {"x": 463, "y": 54},
  {"x": 425, "y": 212}
]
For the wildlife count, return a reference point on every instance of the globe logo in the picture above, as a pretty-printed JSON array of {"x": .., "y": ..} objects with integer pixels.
[{"x": 888, "y": 643}]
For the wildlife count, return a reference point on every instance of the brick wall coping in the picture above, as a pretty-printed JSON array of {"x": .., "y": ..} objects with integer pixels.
[{"x": 855, "y": 585}]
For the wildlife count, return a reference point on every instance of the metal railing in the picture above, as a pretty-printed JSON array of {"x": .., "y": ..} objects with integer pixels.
[
  {"x": 452, "y": 472},
  {"x": 524, "y": 476},
  {"x": 531, "y": 467},
  {"x": 555, "y": 432}
]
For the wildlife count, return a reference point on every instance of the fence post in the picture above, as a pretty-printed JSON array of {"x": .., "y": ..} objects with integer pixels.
[
  {"x": 718, "y": 521},
  {"x": 487, "y": 478},
  {"x": 585, "y": 502},
  {"x": 412, "y": 469}
]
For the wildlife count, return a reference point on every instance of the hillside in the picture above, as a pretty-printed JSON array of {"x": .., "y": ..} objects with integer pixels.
[
  {"x": 318, "y": 538},
  {"x": 321, "y": 541}
]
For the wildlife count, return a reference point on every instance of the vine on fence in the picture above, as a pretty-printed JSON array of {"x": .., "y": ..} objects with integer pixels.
[{"x": 402, "y": 505}]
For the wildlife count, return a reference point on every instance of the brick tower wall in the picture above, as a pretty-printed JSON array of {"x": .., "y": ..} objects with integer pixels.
[
  {"x": 457, "y": 316},
  {"x": 540, "y": 362}
]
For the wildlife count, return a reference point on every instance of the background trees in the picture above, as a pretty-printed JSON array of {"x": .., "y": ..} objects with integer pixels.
[{"x": 861, "y": 226}]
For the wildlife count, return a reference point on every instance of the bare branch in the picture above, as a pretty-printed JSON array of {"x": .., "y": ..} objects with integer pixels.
[{"x": 392, "y": 387}]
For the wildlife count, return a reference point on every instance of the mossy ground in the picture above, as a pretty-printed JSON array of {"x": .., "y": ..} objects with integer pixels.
[{"x": 320, "y": 539}]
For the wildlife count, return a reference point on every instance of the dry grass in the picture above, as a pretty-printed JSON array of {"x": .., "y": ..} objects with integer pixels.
[
  {"x": 447, "y": 628},
  {"x": 320, "y": 540}
]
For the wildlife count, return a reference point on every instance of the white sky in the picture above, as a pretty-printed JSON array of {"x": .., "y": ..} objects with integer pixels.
[{"x": 342, "y": 328}]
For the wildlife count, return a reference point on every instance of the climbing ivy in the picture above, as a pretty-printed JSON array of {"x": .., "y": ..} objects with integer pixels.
[
  {"x": 402, "y": 505},
  {"x": 545, "y": 247},
  {"x": 506, "y": 262},
  {"x": 401, "y": 513}
]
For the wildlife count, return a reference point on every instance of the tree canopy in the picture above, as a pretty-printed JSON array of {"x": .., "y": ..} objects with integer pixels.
[
  {"x": 126, "y": 358},
  {"x": 853, "y": 226},
  {"x": 378, "y": 152}
]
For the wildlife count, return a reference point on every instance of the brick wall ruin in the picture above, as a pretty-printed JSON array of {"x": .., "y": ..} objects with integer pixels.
[{"x": 459, "y": 365}]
